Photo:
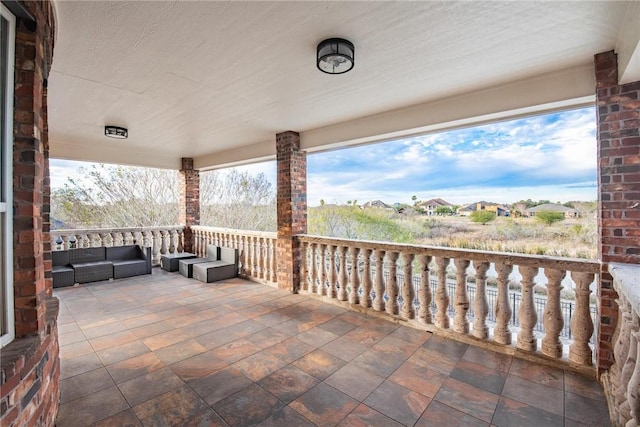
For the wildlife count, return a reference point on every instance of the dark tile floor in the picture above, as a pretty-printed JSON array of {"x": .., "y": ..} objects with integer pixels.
[{"x": 164, "y": 350}]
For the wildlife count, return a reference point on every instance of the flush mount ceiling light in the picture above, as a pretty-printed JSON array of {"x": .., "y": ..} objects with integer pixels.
[
  {"x": 116, "y": 132},
  {"x": 335, "y": 56}
]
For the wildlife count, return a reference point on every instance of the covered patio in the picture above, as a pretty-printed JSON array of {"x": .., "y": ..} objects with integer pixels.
[
  {"x": 167, "y": 350},
  {"x": 196, "y": 86}
]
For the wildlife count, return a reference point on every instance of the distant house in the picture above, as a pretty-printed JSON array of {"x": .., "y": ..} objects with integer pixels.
[
  {"x": 497, "y": 208},
  {"x": 431, "y": 205},
  {"x": 377, "y": 204},
  {"x": 552, "y": 207}
]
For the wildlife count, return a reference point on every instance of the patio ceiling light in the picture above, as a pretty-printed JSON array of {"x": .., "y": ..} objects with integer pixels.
[
  {"x": 116, "y": 132},
  {"x": 335, "y": 56}
]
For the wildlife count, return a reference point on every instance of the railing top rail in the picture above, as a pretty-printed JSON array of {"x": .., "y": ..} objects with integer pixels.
[
  {"x": 568, "y": 264},
  {"x": 267, "y": 234},
  {"x": 627, "y": 282},
  {"x": 115, "y": 229}
]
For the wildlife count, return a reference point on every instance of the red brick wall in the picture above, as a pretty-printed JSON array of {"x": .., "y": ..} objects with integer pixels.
[
  {"x": 189, "y": 200},
  {"x": 30, "y": 386},
  {"x": 29, "y": 378},
  {"x": 619, "y": 187},
  {"x": 291, "y": 206}
]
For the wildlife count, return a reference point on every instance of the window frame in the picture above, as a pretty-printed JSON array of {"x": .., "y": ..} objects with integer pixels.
[{"x": 7, "y": 320}]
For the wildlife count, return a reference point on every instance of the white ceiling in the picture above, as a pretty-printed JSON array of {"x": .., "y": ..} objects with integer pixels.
[{"x": 217, "y": 80}]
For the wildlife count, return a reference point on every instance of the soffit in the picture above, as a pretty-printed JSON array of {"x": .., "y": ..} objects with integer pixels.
[{"x": 196, "y": 79}]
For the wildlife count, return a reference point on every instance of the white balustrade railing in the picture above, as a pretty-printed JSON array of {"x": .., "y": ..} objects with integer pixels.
[
  {"x": 623, "y": 385},
  {"x": 161, "y": 240},
  {"x": 256, "y": 249},
  {"x": 442, "y": 295}
]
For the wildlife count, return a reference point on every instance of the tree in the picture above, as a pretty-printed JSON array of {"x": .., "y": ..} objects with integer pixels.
[
  {"x": 444, "y": 210},
  {"x": 117, "y": 196},
  {"x": 549, "y": 217},
  {"x": 238, "y": 200},
  {"x": 122, "y": 196},
  {"x": 483, "y": 217}
]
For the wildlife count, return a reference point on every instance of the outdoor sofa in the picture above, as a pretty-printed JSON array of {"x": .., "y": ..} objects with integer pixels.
[{"x": 85, "y": 265}]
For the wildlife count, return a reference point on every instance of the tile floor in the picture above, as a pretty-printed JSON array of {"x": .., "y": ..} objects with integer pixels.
[{"x": 162, "y": 350}]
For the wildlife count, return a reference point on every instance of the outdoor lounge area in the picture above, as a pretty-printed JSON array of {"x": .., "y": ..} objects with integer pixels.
[{"x": 167, "y": 350}]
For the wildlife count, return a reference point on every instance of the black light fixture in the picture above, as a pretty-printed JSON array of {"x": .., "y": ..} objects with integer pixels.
[
  {"x": 116, "y": 132},
  {"x": 335, "y": 56}
]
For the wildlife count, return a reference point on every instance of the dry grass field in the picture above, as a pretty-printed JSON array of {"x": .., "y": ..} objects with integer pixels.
[{"x": 574, "y": 238}]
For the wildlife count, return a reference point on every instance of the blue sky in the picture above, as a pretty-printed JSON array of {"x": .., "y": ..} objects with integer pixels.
[{"x": 550, "y": 156}]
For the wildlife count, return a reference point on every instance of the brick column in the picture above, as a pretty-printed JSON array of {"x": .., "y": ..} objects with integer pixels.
[
  {"x": 619, "y": 188},
  {"x": 291, "y": 207},
  {"x": 30, "y": 171},
  {"x": 30, "y": 372},
  {"x": 189, "y": 200}
]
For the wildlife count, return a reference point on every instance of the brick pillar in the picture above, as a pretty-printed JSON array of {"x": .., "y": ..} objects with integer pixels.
[
  {"x": 189, "y": 200},
  {"x": 619, "y": 188},
  {"x": 31, "y": 247},
  {"x": 291, "y": 207}
]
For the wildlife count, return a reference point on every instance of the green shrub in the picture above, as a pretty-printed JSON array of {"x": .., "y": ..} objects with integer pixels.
[
  {"x": 483, "y": 217},
  {"x": 549, "y": 217}
]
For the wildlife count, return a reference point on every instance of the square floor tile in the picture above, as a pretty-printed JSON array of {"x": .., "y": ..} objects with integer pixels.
[
  {"x": 489, "y": 359},
  {"x": 468, "y": 399},
  {"x": 552, "y": 377},
  {"x": 134, "y": 367},
  {"x": 171, "y": 408},
  {"x": 324, "y": 405},
  {"x": 338, "y": 326},
  {"x": 84, "y": 384},
  {"x": 434, "y": 360},
  {"x": 344, "y": 348},
  {"x": 198, "y": 366},
  {"x": 418, "y": 378},
  {"x": 289, "y": 350},
  {"x": 319, "y": 363},
  {"x": 479, "y": 376},
  {"x": 180, "y": 351},
  {"x": 513, "y": 413},
  {"x": 288, "y": 383},
  {"x": 125, "y": 418},
  {"x": 587, "y": 387},
  {"x": 380, "y": 363},
  {"x": 79, "y": 365},
  {"x": 285, "y": 416},
  {"x": 439, "y": 414},
  {"x": 354, "y": 381},
  {"x": 397, "y": 402},
  {"x": 448, "y": 347},
  {"x": 259, "y": 365},
  {"x": 535, "y": 394},
  {"x": 364, "y": 416},
  {"x": 141, "y": 389},
  {"x": 585, "y": 410},
  {"x": 219, "y": 385},
  {"x": 91, "y": 408},
  {"x": 118, "y": 353},
  {"x": 248, "y": 406}
]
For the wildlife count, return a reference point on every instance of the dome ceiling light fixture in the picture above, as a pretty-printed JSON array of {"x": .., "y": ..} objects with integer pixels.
[
  {"x": 335, "y": 56},
  {"x": 116, "y": 132}
]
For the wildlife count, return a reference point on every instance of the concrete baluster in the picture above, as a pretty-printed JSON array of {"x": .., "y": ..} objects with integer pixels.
[
  {"x": 480, "y": 303},
  {"x": 408, "y": 310},
  {"x": 552, "y": 320},
  {"x": 461, "y": 300},
  {"x": 442, "y": 297},
  {"x": 502, "y": 333},
  {"x": 424, "y": 291}
]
